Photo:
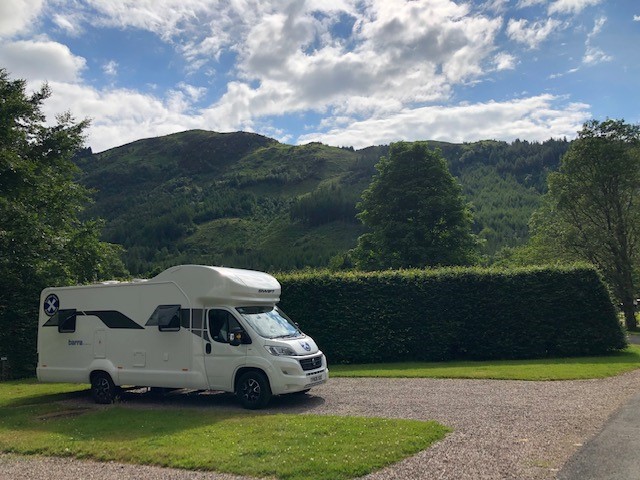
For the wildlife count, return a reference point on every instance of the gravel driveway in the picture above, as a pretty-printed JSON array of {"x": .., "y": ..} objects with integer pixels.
[{"x": 502, "y": 429}]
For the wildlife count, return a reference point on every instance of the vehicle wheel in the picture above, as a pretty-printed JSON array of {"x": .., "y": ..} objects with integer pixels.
[
  {"x": 103, "y": 389},
  {"x": 253, "y": 390}
]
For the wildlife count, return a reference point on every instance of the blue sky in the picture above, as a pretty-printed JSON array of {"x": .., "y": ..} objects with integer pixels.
[{"x": 346, "y": 73}]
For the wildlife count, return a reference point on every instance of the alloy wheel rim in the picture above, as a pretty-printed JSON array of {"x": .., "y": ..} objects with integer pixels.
[{"x": 251, "y": 390}]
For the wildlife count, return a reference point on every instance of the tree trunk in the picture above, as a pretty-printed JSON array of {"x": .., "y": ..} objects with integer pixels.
[
  {"x": 627, "y": 300},
  {"x": 629, "y": 316}
]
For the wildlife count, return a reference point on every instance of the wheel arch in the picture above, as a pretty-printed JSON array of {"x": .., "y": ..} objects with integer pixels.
[
  {"x": 106, "y": 366},
  {"x": 98, "y": 371}
]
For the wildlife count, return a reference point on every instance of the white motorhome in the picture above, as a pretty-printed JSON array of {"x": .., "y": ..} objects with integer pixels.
[{"x": 191, "y": 326}]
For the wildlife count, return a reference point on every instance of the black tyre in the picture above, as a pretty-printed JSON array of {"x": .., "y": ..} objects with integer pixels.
[
  {"x": 103, "y": 389},
  {"x": 253, "y": 390}
]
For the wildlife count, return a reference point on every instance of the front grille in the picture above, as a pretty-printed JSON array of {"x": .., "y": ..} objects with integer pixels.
[{"x": 311, "y": 363}]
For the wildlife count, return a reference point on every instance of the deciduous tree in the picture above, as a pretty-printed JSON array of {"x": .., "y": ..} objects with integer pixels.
[
  {"x": 42, "y": 240},
  {"x": 592, "y": 209}
]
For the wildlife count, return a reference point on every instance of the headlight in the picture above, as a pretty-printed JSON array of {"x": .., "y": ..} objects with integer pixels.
[{"x": 280, "y": 351}]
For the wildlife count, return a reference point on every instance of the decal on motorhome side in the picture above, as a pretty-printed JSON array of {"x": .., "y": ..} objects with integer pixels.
[
  {"x": 111, "y": 318},
  {"x": 51, "y": 304},
  {"x": 116, "y": 319}
]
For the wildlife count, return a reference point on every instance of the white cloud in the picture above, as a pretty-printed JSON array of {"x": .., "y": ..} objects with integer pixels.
[
  {"x": 562, "y": 74},
  {"x": 594, "y": 55},
  {"x": 529, "y": 3},
  {"x": 636, "y": 18},
  {"x": 118, "y": 116},
  {"x": 370, "y": 81},
  {"x": 504, "y": 61},
  {"x": 110, "y": 68},
  {"x": 397, "y": 54},
  {"x": 570, "y": 6},
  {"x": 533, "y": 118},
  {"x": 497, "y": 6},
  {"x": 531, "y": 34},
  {"x": 41, "y": 61},
  {"x": 559, "y": 6},
  {"x": 197, "y": 28},
  {"x": 193, "y": 92},
  {"x": 70, "y": 23},
  {"x": 17, "y": 16}
]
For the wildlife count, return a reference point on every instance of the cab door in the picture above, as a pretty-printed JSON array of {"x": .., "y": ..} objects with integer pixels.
[{"x": 221, "y": 358}]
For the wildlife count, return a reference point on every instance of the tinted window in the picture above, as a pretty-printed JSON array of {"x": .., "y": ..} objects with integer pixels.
[
  {"x": 66, "y": 321},
  {"x": 167, "y": 317},
  {"x": 221, "y": 323}
]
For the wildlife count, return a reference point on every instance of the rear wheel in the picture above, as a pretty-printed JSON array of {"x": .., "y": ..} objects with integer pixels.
[
  {"x": 103, "y": 389},
  {"x": 253, "y": 390}
]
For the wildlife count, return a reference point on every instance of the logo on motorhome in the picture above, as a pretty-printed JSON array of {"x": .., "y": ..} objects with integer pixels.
[
  {"x": 264, "y": 290},
  {"x": 51, "y": 304},
  {"x": 306, "y": 346}
]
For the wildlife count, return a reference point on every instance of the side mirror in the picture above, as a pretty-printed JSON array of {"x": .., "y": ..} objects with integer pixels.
[{"x": 235, "y": 337}]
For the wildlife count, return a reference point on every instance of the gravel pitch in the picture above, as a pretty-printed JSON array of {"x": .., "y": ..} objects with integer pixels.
[{"x": 502, "y": 429}]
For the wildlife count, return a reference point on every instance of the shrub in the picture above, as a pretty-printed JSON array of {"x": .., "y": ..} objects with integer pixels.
[{"x": 454, "y": 313}]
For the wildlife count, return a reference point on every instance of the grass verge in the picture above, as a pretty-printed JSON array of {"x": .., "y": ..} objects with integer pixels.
[
  {"x": 576, "y": 368},
  {"x": 282, "y": 446}
]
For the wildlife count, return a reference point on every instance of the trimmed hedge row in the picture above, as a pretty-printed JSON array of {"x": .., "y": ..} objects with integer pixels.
[{"x": 457, "y": 313}]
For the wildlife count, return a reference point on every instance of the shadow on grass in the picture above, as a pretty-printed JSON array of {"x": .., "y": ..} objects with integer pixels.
[
  {"x": 206, "y": 399},
  {"x": 39, "y": 399}
]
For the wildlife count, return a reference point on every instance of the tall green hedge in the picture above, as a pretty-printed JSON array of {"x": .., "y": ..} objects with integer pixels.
[{"x": 460, "y": 313}]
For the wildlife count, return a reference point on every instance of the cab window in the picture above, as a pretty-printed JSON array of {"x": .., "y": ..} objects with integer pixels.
[{"x": 221, "y": 323}]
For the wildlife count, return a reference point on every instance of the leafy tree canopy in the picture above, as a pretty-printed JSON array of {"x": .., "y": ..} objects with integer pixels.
[
  {"x": 415, "y": 212},
  {"x": 592, "y": 209},
  {"x": 42, "y": 241}
]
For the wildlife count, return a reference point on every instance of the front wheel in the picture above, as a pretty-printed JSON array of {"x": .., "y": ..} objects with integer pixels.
[
  {"x": 103, "y": 389},
  {"x": 253, "y": 390}
]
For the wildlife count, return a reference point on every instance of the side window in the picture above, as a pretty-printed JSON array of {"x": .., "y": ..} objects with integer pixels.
[
  {"x": 167, "y": 317},
  {"x": 66, "y": 321},
  {"x": 185, "y": 318},
  {"x": 197, "y": 323},
  {"x": 221, "y": 323},
  {"x": 218, "y": 325}
]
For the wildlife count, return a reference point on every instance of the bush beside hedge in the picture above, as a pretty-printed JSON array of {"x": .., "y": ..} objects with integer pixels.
[{"x": 455, "y": 313}]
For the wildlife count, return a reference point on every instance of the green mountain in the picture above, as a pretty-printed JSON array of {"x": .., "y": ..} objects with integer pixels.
[{"x": 244, "y": 200}]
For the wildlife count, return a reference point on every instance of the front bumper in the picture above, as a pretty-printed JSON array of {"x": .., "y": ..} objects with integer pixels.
[{"x": 289, "y": 376}]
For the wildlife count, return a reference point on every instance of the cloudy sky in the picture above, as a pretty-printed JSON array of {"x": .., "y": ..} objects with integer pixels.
[{"x": 343, "y": 72}]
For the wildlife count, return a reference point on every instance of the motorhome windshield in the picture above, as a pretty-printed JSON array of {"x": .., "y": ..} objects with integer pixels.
[{"x": 269, "y": 322}]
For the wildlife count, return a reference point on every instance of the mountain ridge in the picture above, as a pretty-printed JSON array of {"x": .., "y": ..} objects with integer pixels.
[{"x": 243, "y": 199}]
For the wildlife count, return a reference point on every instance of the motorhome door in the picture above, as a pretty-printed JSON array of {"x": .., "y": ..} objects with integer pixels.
[{"x": 222, "y": 358}]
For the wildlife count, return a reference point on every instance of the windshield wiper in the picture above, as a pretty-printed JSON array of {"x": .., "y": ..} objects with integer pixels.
[{"x": 288, "y": 335}]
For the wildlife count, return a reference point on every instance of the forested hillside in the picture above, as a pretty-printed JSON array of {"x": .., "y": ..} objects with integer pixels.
[{"x": 244, "y": 200}]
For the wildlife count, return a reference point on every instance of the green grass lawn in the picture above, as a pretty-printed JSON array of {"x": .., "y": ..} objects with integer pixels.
[
  {"x": 282, "y": 446},
  {"x": 542, "y": 369}
]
